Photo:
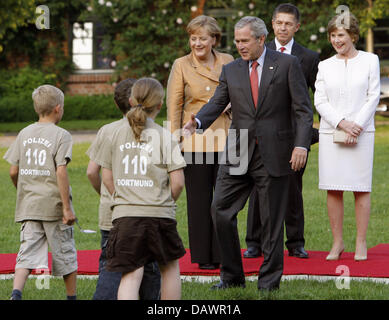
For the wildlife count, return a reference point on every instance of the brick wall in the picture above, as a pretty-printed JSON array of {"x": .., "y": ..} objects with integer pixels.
[{"x": 89, "y": 84}]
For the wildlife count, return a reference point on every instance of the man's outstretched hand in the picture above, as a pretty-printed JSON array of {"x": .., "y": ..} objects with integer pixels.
[{"x": 190, "y": 127}]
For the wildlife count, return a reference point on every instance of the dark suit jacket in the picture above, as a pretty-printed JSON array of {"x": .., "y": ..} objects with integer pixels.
[
  {"x": 309, "y": 61},
  {"x": 283, "y": 95}
]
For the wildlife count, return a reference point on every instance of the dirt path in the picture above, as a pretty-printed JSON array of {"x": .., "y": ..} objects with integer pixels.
[{"x": 78, "y": 137}]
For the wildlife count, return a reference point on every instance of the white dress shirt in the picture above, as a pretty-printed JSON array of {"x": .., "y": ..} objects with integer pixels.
[
  {"x": 260, "y": 61},
  {"x": 288, "y": 46}
]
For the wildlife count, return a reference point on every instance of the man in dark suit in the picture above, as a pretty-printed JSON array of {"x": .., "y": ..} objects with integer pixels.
[
  {"x": 285, "y": 24},
  {"x": 266, "y": 91}
]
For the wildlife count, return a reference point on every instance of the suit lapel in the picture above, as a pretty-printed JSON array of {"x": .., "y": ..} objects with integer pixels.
[
  {"x": 297, "y": 51},
  {"x": 244, "y": 78},
  {"x": 271, "y": 45},
  {"x": 269, "y": 68},
  {"x": 200, "y": 69}
]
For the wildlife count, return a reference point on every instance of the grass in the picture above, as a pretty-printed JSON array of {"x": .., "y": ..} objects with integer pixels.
[
  {"x": 77, "y": 125},
  {"x": 71, "y": 125},
  {"x": 13, "y": 127},
  {"x": 289, "y": 290},
  {"x": 317, "y": 233}
]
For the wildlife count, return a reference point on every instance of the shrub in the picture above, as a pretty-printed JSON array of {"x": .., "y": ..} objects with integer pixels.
[
  {"x": 22, "y": 82},
  {"x": 90, "y": 107},
  {"x": 16, "y": 87},
  {"x": 16, "y": 103},
  {"x": 17, "y": 108},
  {"x": 20, "y": 108}
]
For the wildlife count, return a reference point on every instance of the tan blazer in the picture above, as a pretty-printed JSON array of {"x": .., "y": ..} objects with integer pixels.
[{"x": 189, "y": 87}]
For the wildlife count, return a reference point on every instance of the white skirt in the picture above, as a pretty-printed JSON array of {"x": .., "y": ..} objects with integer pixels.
[{"x": 344, "y": 167}]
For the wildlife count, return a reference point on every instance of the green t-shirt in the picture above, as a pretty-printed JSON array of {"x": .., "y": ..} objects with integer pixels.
[
  {"x": 141, "y": 170},
  {"x": 38, "y": 150},
  {"x": 105, "y": 211}
]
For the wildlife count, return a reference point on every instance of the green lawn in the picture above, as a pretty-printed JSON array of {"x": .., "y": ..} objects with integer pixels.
[
  {"x": 68, "y": 125},
  {"x": 317, "y": 232},
  {"x": 71, "y": 125}
]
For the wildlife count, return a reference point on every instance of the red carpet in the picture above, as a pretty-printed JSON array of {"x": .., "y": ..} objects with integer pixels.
[{"x": 377, "y": 265}]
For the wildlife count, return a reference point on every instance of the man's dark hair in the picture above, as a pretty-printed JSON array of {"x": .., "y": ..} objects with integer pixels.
[
  {"x": 123, "y": 93},
  {"x": 287, "y": 8}
]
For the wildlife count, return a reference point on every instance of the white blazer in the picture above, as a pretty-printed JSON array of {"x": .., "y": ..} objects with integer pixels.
[{"x": 349, "y": 92}]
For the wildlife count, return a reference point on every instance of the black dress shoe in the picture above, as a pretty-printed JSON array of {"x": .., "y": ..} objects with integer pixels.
[
  {"x": 252, "y": 252},
  {"x": 228, "y": 284},
  {"x": 298, "y": 252},
  {"x": 209, "y": 266}
]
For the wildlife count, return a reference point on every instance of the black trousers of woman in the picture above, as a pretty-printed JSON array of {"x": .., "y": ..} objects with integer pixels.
[{"x": 200, "y": 179}]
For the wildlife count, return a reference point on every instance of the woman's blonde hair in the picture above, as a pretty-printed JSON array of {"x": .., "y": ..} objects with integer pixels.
[
  {"x": 208, "y": 23},
  {"x": 348, "y": 22},
  {"x": 146, "y": 95}
]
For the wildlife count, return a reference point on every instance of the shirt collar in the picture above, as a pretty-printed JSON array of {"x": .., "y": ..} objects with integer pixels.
[
  {"x": 261, "y": 59},
  {"x": 288, "y": 46}
]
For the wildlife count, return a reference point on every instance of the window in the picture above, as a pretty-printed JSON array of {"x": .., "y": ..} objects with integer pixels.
[
  {"x": 88, "y": 48},
  {"x": 82, "y": 45}
]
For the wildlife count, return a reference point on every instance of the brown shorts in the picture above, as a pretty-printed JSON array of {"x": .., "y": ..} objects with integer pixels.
[{"x": 134, "y": 242}]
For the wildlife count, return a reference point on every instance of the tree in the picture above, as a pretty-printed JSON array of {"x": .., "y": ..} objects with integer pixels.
[
  {"x": 23, "y": 43},
  {"x": 14, "y": 14},
  {"x": 367, "y": 12},
  {"x": 144, "y": 35}
]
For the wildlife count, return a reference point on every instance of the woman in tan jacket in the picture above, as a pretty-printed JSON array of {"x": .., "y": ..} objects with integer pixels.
[{"x": 192, "y": 82}]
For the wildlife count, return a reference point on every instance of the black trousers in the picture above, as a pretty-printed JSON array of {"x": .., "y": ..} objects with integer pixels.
[
  {"x": 294, "y": 218},
  {"x": 230, "y": 197},
  {"x": 200, "y": 179}
]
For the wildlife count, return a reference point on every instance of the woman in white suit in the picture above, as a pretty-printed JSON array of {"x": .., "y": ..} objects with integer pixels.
[{"x": 346, "y": 97}]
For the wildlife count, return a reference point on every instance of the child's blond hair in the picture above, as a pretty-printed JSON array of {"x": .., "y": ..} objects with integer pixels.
[{"x": 46, "y": 98}]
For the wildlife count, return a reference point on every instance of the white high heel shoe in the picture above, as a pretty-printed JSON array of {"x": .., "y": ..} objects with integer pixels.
[
  {"x": 333, "y": 257},
  {"x": 361, "y": 257}
]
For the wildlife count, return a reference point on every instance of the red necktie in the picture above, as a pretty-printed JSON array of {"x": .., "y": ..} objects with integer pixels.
[
  {"x": 254, "y": 82},
  {"x": 282, "y": 49}
]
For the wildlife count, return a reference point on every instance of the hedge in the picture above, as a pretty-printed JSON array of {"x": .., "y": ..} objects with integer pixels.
[
  {"x": 90, "y": 107},
  {"x": 16, "y": 105},
  {"x": 20, "y": 108}
]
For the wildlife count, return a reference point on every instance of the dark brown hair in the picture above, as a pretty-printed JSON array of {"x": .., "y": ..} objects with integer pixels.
[
  {"x": 122, "y": 94},
  {"x": 287, "y": 8}
]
